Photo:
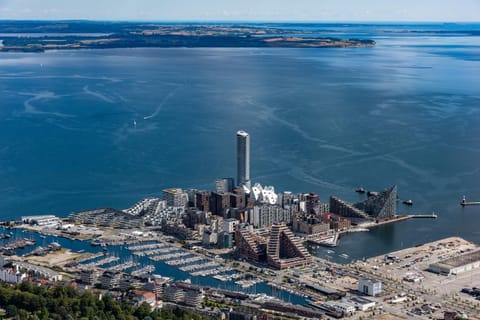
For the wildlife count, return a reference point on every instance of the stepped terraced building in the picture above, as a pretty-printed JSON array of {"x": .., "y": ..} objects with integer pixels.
[
  {"x": 284, "y": 250},
  {"x": 379, "y": 206}
]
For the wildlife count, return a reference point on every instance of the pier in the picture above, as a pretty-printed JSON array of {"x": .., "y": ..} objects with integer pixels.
[
  {"x": 465, "y": 203},
  {"x": 432, "y": 215}
]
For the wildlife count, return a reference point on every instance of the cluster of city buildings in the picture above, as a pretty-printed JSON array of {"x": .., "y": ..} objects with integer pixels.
[{"x": 261, "y": 224}]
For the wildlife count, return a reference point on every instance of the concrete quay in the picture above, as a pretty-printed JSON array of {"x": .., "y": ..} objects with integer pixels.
[{"x": 405, "y": 273}]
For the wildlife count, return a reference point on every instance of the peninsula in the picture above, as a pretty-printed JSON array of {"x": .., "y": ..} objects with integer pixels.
[{"x": 39, "y": 36}]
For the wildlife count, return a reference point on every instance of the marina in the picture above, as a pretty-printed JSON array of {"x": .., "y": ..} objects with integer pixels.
[{"x": 143, "y": 271}]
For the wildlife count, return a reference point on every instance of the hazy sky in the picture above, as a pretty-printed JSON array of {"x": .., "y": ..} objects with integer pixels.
[{"x": 280, "y": 10}]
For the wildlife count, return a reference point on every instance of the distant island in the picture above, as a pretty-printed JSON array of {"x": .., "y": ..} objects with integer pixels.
[{"x": 39, "y": 36}]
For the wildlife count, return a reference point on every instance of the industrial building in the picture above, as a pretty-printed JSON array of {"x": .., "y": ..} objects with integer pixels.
[
  {"x": 457, "y": 265},
  {"x": 361, "y": 303},
  {"x": 370, "y": 287},
  {"x": 41, "y": 220}
]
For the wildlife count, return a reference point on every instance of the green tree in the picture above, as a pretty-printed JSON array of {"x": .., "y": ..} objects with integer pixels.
[
  {"x": 11, "y": 311},
  {"x": 143, "y": 311}
]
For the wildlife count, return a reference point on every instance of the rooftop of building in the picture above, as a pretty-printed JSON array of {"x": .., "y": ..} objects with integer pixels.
[
  {"x": 461, "y": 260},
  {"x": 242, "y": 133}
]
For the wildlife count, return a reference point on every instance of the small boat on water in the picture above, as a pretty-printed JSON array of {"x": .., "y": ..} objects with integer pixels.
[
  {"x": 360, "y": 190},
  {"x": 344, "y": 255},
  {"x": 408, "y": 202}
]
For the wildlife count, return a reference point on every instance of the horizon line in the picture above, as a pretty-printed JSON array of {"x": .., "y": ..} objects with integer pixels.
[{"x": 242, "y": 21}]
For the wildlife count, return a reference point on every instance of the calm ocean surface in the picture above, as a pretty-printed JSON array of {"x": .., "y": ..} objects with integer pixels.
[{"x": 404, "y": 112}]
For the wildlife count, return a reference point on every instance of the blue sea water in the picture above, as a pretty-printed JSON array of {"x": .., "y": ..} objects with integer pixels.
[{"x": 404, "y": 112}]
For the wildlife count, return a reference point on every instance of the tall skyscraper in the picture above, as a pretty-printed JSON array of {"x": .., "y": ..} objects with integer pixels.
[{"x": 243, "y": 159}]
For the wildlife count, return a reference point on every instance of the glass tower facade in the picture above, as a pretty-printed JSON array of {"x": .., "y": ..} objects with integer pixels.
[{"x": 243, "y": 159}]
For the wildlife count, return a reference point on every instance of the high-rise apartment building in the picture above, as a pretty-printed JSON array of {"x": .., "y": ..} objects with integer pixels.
[
  {"x": 175, "y": 197},
  {"x": 243, "y": 159},
  {"x": 224, "y": 185}
]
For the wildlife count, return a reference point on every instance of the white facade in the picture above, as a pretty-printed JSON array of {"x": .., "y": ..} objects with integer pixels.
[
  {"x": 41, "y": 220},
  {"x": 229, "y": 225},
  {"x": 344, "y": 307},
  {"x": 360, "y": 303},
  {"x": 264, "y": 194},
  {"x": 370, "y": 287},
  {"x": 11, "y": 276},
  {"x": 266, "y": 215}
]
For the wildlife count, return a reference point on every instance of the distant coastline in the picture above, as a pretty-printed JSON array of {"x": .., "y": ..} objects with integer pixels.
[{"x": 40, "y": 36}]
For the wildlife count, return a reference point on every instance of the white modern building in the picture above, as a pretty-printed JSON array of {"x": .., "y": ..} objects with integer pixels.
[
  {"x": 41, "y": 220},
  {"x": 11, "y": 276},
  {"x": 265, "y": 215},
  {"x": 243, "y": 159},
  {"x": 229, "y": 225},
  {"x": 264, "y": 194},
  {"x": 361, "y": 303},
  {"x": 340, "y": 306},
  {"x": 370, "y": 287}
]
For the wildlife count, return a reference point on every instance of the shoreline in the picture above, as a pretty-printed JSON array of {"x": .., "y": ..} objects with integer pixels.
[{"x": 75, "y": 35}]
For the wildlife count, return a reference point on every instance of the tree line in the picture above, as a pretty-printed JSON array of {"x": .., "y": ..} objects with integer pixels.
[{"x": 32, "y": 302}]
